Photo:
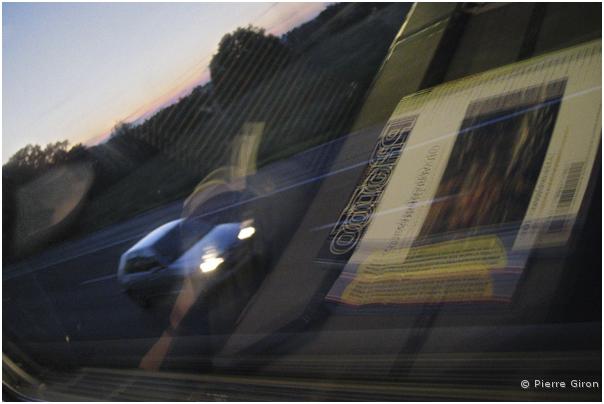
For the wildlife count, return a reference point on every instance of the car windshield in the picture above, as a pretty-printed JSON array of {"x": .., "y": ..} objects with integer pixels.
[{"x": 301, "y": 201}]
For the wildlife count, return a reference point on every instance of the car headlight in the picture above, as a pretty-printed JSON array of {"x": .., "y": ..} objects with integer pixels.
[
  {"x": 246, "y": 232},
  {"x": 209, "y": 262}
]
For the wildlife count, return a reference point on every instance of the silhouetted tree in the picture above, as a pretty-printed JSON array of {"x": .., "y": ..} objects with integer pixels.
[
  {"x": 26, "y": 164},
  {"x": 245, "y": 58},
  {"x": 121, "y": 128},
  {"x": 33, "y": 158}
]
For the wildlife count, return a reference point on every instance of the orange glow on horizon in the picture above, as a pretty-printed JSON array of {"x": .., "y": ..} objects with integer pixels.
[{"x": 167, "y": 97}]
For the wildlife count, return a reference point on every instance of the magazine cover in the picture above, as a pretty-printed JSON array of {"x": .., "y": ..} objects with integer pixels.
[{"x": 466, "y": 179}]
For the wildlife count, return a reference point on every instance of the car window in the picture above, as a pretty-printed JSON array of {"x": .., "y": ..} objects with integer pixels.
[{"x": 387, "y": 201}]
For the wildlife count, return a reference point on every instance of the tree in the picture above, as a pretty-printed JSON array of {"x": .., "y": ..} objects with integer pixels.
[
  {"x": 245, "y": 58},
  {"x": 120, "y": 129},
  {"x": 34, "y": 157},
  {"x": 23, "y": 166},
  {"x": 31, "y": 160}
]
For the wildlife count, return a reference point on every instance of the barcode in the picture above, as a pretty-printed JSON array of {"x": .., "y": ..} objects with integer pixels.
[{"x": 570, "y": 185}]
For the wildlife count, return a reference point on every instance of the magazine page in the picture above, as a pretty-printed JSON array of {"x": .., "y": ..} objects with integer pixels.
[{"x": 466, "y": 179}]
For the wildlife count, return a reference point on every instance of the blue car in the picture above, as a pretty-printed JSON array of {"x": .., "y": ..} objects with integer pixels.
[{"x": 192, "y": 249}]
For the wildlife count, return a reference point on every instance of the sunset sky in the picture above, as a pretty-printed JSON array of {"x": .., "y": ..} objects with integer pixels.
[{"x": 73, "y": 70}]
